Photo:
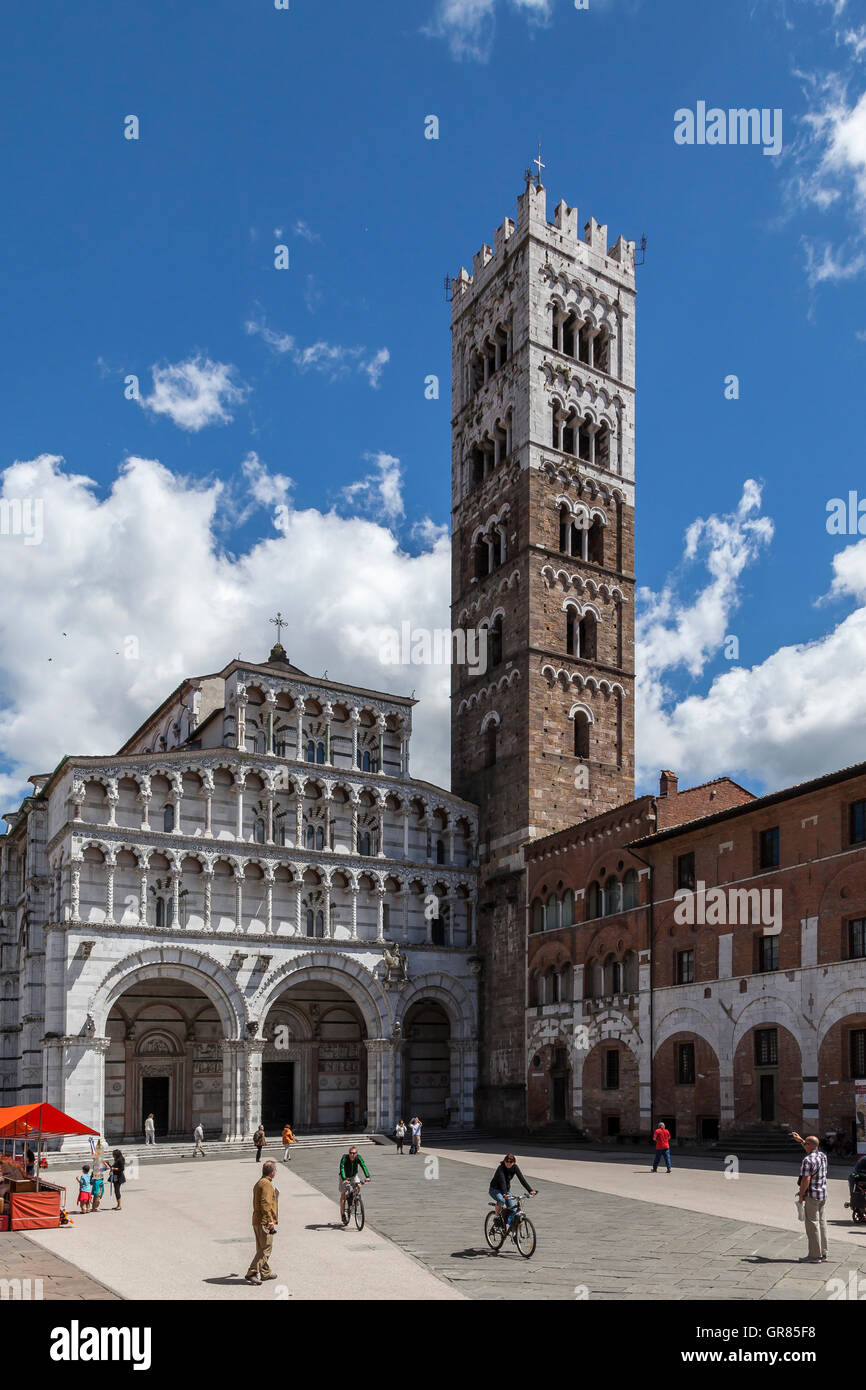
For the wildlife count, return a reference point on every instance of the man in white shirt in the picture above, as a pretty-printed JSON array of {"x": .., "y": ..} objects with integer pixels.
[
  {"x": 198, "y": 1135},
  {"x": 149, "y": 1131}
]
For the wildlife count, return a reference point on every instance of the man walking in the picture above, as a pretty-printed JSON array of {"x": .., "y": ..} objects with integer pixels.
[
  {"x": 149, "y": 1131},
  {"x": 813, "y": 1195},
  {"x": 288, "y": 1141},
  {"x": 662, "y": 1136},
  {"x": 259, "y": 1141},
  {"x": 265, "y": 1213},
  {"x": 198, "y": 1136}
]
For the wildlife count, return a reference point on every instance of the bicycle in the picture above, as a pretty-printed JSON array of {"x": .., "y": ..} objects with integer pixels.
[
  {"x": 514, "y": 1223},
  {"x": 354, "y": 1205}
]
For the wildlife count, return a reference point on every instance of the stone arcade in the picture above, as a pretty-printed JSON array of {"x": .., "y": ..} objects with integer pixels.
[{"x": 251, "y": 911}]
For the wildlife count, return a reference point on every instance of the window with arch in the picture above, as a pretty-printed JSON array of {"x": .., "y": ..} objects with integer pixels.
[
  {"x": 365, "y": 760},
  {"x": 315, "y": 923},
  {"x": 165, "y": 911},
  {"x": 595, "y": 542},
  {"x": 587, "y": 637},
  {"x": 482, "y": 558},
  {"x": 440, "y": 851},
  {"x": 567, "y": 907},
  {"x": 594, "y": 901},
  {"x": 494, "y": 641},
  {"x": 491, "y": 742},
  {"x": 581, "y": 745},
  {"x": 612, "y": 895},
  {"x": 630, "y": 969},
  {"x": 629, "y": 889},
  {"x": 538, "y": 915},
  {"x": 440, "y": 924},
  {"x": 168, "y": 816},
  {"x": 259, "y": 830},
  {"x": 315, "y": 751},
  {"x": 365, "y": 842},
  {"x": 551, "y": 913}
]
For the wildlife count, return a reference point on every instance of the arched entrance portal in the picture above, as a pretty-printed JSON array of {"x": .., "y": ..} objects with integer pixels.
[
  {"x": 314, "y": 1067},
  {"x": 427, "y": 1063},
  {"x": 165, "y": 1058}
]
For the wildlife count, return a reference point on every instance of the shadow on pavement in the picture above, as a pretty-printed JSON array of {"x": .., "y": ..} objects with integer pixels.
[
  {"x": 226, "y": 1279},
  {"x": 326, "y": 1226}
]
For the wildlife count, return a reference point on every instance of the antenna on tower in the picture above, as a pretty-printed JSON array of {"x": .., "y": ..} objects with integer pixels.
[
  {"x": 448, "y": 288},
  {"x": 641, "y": 251}
]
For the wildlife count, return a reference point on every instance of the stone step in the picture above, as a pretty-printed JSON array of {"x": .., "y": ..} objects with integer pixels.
[{"x": 183, "y": 1148}]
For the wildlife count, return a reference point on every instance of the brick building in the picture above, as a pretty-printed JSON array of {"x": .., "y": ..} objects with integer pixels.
[{"x": 701, "y": 956}]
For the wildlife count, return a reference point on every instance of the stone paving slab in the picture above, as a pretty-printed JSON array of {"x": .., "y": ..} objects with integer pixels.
[
  {"x": 613, "y": 1247},
  {"x": 21, "y": 1259}
]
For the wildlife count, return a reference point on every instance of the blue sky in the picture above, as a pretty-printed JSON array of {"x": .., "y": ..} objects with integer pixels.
[{"x": 283, "y": 454}]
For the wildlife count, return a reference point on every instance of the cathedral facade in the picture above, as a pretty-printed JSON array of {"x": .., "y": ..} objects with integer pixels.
[{"x": 250, "y": 912}]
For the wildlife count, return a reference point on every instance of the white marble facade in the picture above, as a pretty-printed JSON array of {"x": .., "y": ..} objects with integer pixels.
[{"x": 252, "y": 888}]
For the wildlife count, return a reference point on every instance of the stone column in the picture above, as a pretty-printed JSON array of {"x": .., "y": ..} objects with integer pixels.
[
  {"x": 355, "y": 719},
  {"x": 300, "y": 713},
  {"x": 239, "y": 783},
  {"x": 354, "y": 845},
  {"x": 177, "y": 801},
  {"x": 175, "y": 898},
  {"x": 242, "y": 723},
  {"x": 75, "y": 904},
  {"x": 239, "y": 900},
  {"x": 269, "y": 823},
  {"x": 327, "y": 910},
  {"x": 380, "y": 914},
  {"x": 406, "y": 832},
  {"x": 328, "y": 819},
  {"x": 405, "y": 897},
  {"x": 379, "y": 1083},
  {"x": 299, "y": 821},
  {"x": 109, "y": 890},
  {"x": 298, "y": 906},
  {"x": 207, "y": 875},
  {"x": 355, "y": 891},
  {"x": 380, "y": 726},
  {"x": 142, "y": 905},
  {"x": 269, "y": 904},
  {"x": 271, "y": 700},
  {"x": 451, "y": 841},
  {"x": 144, "y": 798},
  {"x": 328, "y": 711},
  {"x": 208, "y": 811},
  {"x": 112, "y": 797},
  {"x": 381, "y": 851}
]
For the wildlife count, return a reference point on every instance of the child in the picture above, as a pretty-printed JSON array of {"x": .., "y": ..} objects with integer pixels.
[
  {"x": 84, "y": 1188},
  {"x": 97, "y": 1186}
]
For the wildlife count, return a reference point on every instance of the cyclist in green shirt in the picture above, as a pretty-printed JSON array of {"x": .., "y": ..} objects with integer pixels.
[{"x": 349, "y": 1165}]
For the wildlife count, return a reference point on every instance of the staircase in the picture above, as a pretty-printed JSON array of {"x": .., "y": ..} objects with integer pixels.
[
  {"x": 178, "y": 1148},
  {"x": 759, "y": 1139}
]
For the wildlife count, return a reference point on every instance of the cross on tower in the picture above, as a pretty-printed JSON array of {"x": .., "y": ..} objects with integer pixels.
[
  {"x": 279, "y": 623},
  {"x": 541, "y": 166}
]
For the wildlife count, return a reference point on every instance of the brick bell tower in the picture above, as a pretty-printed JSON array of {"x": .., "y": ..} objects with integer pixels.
[{"x": 542, "y": 489}]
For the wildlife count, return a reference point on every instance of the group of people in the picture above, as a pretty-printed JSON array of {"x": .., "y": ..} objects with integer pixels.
[
  {"x": 414, "y": 1132},
  {"x": 287, "y": 1139},
  {"x": 92, "y": 1180}
]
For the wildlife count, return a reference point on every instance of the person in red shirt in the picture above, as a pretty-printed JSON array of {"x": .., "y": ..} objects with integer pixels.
[{"x": 662, "y": 1137}]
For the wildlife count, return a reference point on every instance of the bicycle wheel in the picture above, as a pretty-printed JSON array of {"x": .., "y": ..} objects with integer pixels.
[
  {"x": 524, "y": 1237},
  {"x": 359, "y": 1213},
  {"x": 344, "y": 1214},
  {"x": 494, "y": 1232}
]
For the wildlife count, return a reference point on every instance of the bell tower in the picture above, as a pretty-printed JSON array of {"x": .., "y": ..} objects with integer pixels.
[{"x": 542, "y": 491}]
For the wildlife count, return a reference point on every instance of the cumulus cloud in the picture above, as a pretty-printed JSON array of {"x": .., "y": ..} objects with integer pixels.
[
  {"x": 332, "y": 359},
  {"x": 380, "y": 493},
  {"x": 194, "y": 393},
  {"x": 792, "y": 716},
  {"x": 138, "y": 580},
  {"x": 468, "y": 25}
]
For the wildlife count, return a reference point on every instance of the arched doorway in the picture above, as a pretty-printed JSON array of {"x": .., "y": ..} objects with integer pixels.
[
  {"x": 165, "y": 1058},
  {"x": 427, "y": 1062},
  {"x": 314, "y": 1067}
]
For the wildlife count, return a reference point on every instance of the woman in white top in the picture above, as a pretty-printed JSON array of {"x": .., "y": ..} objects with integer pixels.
[{"x": 400, "y": 1134}]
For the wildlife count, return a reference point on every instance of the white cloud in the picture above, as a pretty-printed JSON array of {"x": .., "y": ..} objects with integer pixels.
[
  {"x": 468, "y": 25},
  {"x": 302, "y": 229},
  {"x": 332, "y": 359},
  {"x": 792, "y": 716},
  {"x": 380, "y": 493},
  {"x": 144, "y": 561},
  {"x": 194, "y": 393}
]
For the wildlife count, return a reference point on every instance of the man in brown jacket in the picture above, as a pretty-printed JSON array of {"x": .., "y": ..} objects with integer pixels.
[{"x": 265, "y": 1197}]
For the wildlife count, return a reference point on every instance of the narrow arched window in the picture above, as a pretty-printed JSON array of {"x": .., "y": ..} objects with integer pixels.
[
  {"x": 320, "y": 837},
  {"x": 492, "y": 734},
  {"x": 168, "y": 816},
  {"x": 612, "y": 896},
  {"x": 311, "y": 750},
  {"x": 551, "y": 913},
  {"x": 311, "y": 922},
  {"x": 567, "y": 908},
  {"x": 587, "y": 637},
  {"x": 593, "y": 901},
  {"x": 564, "y": 528},
  {"x": 365, "y": 761},
  {"x": 320, "y": 752},
  {"x": 629, "y": 889},
  {"x": 595, "y": 545},
  {"x": 494, "y": 642},
  {"x": 581, "y": 735},
  {"x": 440, "y": 851},
  {"x": 320, "y": 924},
  {"x": 259, "y": 831},
  {"x": 160, "y": 912},
  {"x": 482, "y": 558},
  {"x": 569, "y": 633},
  {"x": 310, "y": 837},
  {"x": 538, "y": 916}
]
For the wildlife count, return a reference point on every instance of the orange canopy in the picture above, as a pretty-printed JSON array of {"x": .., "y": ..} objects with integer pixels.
[{"x": 29, "y": 1121}]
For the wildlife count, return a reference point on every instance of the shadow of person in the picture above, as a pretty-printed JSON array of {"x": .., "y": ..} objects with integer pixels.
[
  {"x": 227, "y": 1279},
  {"x": 473, "y": 1253},
  {"x": 325, "y": 1226}
]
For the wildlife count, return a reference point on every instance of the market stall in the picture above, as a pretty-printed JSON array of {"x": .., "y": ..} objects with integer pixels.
[{"x": 27, "y": 1201}]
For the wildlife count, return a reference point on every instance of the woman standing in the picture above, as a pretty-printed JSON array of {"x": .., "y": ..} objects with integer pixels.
[
  {"x": 400, "y": 1135},
  {"x": 118, "y": 1176}
]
